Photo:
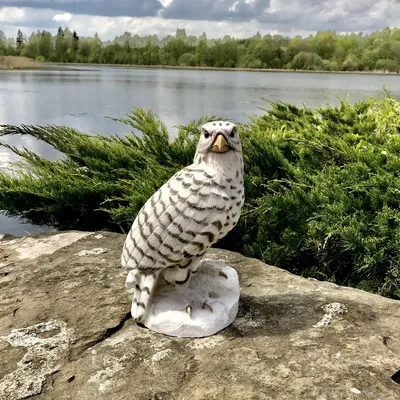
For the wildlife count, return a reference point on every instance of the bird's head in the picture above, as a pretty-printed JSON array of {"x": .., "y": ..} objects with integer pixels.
[{"x": 219, "y": 137}]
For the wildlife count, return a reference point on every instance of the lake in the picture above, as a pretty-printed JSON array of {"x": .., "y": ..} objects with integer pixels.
[{"x": 84, "y": 96}]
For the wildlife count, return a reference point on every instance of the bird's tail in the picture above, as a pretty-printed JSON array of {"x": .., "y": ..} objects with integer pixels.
[{"x": 144, "y": 285}]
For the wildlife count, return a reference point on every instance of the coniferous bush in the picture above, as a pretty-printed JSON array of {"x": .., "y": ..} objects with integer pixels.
[{"x": 322, "y": 185}]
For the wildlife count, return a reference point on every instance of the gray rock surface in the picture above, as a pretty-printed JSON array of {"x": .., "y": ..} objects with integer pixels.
[{"x": 66, "y": 333}]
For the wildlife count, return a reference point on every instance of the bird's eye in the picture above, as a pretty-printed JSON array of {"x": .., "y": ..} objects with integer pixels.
[
  {"x": 232, "y": 134},
  {"x": 206, "y": 134}
]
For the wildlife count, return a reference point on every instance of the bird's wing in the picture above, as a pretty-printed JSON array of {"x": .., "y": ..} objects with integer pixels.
[{"x": 181, "y": 220}]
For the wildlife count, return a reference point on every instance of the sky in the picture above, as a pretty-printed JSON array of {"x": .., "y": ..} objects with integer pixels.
[{"x": 238, "y": 18}]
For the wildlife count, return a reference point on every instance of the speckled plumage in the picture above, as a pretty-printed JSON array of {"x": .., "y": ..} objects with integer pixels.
[{"x": 193, "y": 210}]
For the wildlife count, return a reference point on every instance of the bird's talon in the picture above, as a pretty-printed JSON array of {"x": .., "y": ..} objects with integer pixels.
[
  {"x": 213, "y": 295},
  {"x": 189, "y": 311},
  {"x": 223, "y": 274},
  {"x": 207, "y": 306}
]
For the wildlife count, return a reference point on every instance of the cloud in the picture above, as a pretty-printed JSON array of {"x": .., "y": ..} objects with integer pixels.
[
  {"x": 106, "y": 27},
  {"x": 288, "y": 15},
  {"x": 11, "y": 14},
  {"x": 62, "y": 17},
  {"x": 13, "y": 18},
  {"x": 238, "y": 18},
  {"x": 215, "y": 10},
  {"x": 284, "y": 15},
  {"x": 130, "y": 8}
]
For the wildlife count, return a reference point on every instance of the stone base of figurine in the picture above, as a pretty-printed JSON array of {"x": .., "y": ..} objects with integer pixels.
[{"x": 213, "y": 298}]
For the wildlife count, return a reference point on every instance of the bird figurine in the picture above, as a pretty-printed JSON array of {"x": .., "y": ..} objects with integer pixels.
[{"x": 194, "y": 209}]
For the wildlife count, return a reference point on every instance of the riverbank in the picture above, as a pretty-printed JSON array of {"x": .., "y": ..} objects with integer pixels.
[
  {"x": 375, "y": 72},
  {"x": 26, "y": 63}
]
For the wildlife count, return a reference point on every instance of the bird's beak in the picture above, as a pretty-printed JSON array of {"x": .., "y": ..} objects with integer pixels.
[{"x": 220, "y": 145}]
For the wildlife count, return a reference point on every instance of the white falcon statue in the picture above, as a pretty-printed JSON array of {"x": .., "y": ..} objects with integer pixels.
[{"x": 198, "y": 206}]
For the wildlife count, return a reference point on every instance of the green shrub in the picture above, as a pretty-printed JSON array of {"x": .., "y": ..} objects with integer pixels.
[
  {"x": 40, "y": 59},
  {"x": 322, "y": 185},
  {"x": 387, "y": 65},
  {"x": 307, "y": 61}
]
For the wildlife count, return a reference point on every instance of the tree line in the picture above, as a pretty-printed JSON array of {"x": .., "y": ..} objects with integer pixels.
[{"x": 326, "y": 50}]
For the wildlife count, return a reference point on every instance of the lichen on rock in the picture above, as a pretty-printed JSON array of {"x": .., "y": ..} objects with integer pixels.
[{"x": 45, "y": 344}]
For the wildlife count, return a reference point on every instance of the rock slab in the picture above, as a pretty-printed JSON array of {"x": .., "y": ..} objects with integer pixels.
[{"x": 66, "y": 333}]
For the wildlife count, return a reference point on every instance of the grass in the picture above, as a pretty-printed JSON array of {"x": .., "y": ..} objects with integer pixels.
[
  {"x": 11, "y": 62},
  {"x": 322, "y": 185}
]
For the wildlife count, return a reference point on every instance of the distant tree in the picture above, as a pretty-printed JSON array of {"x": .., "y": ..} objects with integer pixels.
[
  {"x": 45, "y": 45},
  {"x": 325, "y": 50},
  {"x": 96, "y": 50},
  {"x": 67, "y": 33},
  {"x": 61, "y": 48},
  {"x": 180, "y": 34},
  {"x": 109, "y": 54},
  {"x": 395, "y": 34},
  {"x": 368, "y": 60},
  {"x": 84, "y": 51},
  {"x": 201, "y": 51},
  {"x": 165, "y": 57},
  {"x": 176, "y": 47},
  {"x": 3, "y": 48},
  {"x": 384, "y": 51},
  {"x": 325, "y": 44},
  {"x": 31, "y": 49},
  {"x": 74, "y": 47},
  {"x": 20, "y": 39},
  {"x": 192, "y": 40}
]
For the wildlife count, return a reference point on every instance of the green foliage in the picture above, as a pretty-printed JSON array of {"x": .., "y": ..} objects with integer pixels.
[
  {"x": 351, "y": 63},
  {"x": 322, "y": 185},
  {"x": 324, "y": 51},
  {"x": 307, "y": 61}
]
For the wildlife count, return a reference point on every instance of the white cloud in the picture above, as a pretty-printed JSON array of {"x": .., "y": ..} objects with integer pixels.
[
  {"x": 62, "y": 17},
  {"x": 11, "y": 14},
  {"x": 108, "y": 27},
  {"x": 233, "y": 6},
  {"x": 104, "y": 25},
  {"x": 166, "y": 3}
]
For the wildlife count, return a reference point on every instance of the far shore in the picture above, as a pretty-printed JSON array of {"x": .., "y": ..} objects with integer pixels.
[
  {"x": 34, "y": 65},
  {"x": 23, "y": 63},
  {"x": 376, "y": 72}
]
